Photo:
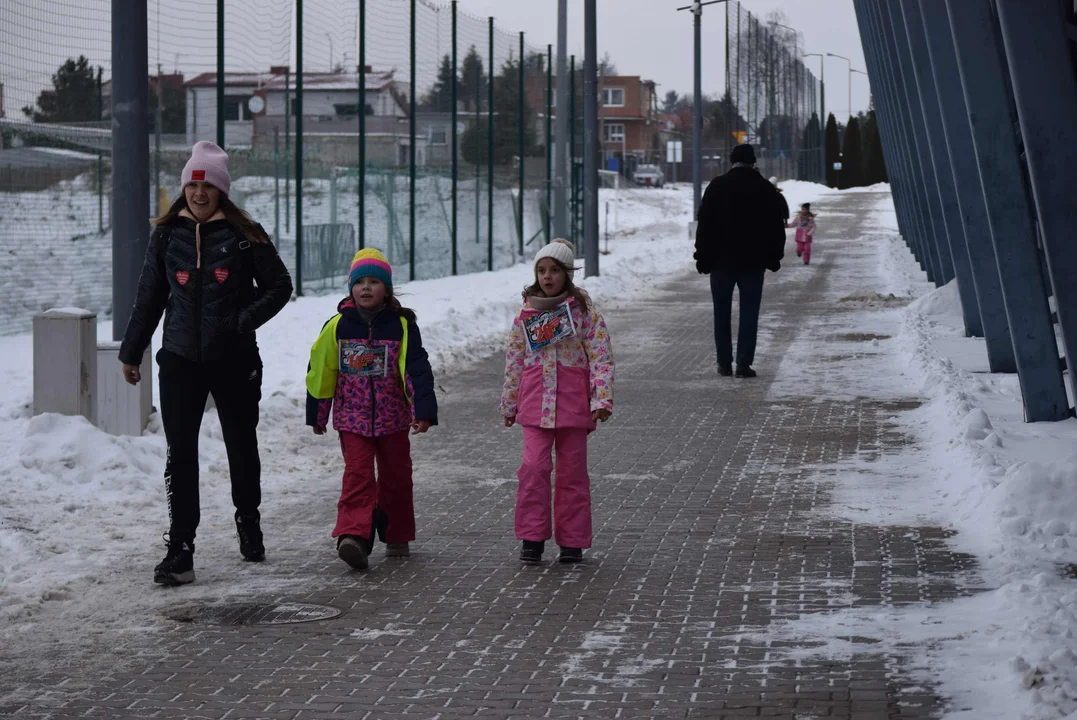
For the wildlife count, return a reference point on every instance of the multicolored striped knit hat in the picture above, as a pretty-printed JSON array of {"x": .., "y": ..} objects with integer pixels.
[{"x": 369, "y": 262}]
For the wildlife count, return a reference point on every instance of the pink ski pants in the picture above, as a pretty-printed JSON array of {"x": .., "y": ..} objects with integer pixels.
[{"x": 571, "y": 493}]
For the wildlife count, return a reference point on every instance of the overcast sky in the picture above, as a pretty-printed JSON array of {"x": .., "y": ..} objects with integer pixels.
[{"x": 650, "y": 38}]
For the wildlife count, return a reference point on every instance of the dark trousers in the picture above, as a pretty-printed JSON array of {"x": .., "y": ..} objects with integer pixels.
[
  {"x": 236, "y": 385},
  {"x": 750, "y": 283}
]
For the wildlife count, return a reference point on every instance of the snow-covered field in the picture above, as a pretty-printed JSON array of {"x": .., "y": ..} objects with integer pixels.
[{"x": 1008, "y": 489}]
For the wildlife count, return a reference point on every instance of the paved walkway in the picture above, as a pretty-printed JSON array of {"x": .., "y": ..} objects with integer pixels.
[{"x": 705, "y": 534}]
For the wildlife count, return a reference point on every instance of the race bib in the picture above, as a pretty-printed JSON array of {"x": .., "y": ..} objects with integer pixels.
[
  {"x": 549, "y": 327},
  {"x": 358, "y": 358}
]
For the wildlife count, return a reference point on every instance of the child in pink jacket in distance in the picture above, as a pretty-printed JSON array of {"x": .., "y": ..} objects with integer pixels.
[
  {"x": 804, "y": 222},
  {"x": 558, "y": 386}
]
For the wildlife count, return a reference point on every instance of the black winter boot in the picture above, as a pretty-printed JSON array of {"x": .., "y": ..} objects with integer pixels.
[
  {"x": 178, "y": 566},
  {"x": 250, "y": 538},
  {"x": 571, "y": 555},
  {"x": 531, "y": 552},
  {"x": 353, "y": 550}
]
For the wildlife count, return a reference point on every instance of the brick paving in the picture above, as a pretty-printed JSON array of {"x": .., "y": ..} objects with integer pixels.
[{"x": 705, "y": 534}]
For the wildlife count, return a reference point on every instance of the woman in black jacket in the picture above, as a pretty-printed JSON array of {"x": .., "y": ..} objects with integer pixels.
[{"x": 215, "y": 276}]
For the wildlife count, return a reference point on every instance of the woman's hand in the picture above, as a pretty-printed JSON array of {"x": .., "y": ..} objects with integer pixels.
[
  {"x": 510, "y": 420},
  {"x": 600, "y": 415},
  {"x": 419, "y": 427},
  {"x": 319, "y": 429},
  {"x": 131, "y": 374}
]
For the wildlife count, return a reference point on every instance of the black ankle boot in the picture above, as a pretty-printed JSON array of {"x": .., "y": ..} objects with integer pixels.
[
  {"x": 531, "y": 552},
  {"x": 249, "y": 530}
]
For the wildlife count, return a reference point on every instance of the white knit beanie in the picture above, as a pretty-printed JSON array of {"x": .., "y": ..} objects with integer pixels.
[{"x": 560, "y": 250}]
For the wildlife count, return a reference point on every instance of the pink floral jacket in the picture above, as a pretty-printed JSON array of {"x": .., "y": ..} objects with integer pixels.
[{"x": 558, "y": 386}]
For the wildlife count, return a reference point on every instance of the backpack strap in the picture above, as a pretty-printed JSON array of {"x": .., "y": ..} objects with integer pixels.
[{"x": 402, "y": 361}]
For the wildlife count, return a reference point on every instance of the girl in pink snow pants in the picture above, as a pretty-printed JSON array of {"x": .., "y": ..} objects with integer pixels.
[
  {"x": 558, "y": 385},
  {"x": 804, "y": 222}
]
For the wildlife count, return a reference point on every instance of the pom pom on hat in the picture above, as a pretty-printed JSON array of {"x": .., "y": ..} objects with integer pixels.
[
  {"x": 560, "y": 250},
  {"x": 209, "y": 164},
  {"x": 369, "y": 262}
]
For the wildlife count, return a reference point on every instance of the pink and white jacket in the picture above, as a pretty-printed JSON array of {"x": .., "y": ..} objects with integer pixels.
[
  {"x": 558, "y": 386},
  {"x": 805, "y": 225}
]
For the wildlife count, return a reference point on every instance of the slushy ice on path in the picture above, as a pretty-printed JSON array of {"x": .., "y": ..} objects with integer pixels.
[{"x": 710, "y": 530}]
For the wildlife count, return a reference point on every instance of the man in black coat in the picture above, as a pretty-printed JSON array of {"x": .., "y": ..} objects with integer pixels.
[{"x": 740, "y": 235}]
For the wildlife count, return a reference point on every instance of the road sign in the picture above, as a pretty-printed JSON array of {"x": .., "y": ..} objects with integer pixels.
[{"x": 674, "y": 151}]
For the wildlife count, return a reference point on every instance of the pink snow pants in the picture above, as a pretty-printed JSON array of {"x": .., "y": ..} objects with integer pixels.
[
  {"x": 804, "y": 245},
  {"x": 572, "y": 491},
  {"x": 391, "y": 492}
]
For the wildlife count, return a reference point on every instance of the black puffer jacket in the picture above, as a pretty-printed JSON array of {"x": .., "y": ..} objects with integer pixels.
[
  {"x": 740, "y": 223},
  {"x": 214, "y": 287}
]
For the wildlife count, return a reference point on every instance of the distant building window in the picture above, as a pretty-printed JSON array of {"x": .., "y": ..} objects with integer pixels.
[
  {"x": 235, "y": 108},
  {"x": 439, "y": 135},
  {"x": 613, "y": 132},
  {"x": 613, "y": 97},
  {"x": 351, "y": 109}
]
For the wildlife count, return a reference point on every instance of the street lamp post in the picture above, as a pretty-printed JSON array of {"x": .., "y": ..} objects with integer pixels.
[
  {"x": 697, "y": 121},
  {"x": 869, "y": 83},
  {"x": 841, "y": 57},
  {"x": 330, "y": 38}
]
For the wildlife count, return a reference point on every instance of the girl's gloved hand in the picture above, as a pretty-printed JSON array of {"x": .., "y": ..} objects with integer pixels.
[
  {"x": 420, "y": 426},
  {"x": 510, "y": 420},
  {"x": 601, "y": 415},
  {"x": 319, "y": 429}
]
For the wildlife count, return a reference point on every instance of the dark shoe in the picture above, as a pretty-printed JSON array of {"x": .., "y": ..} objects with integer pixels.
[
  {"x": 743, "y": 371},
  {"x": 798, "y": 254},
  {"x": 531, "y": 552},
  {"x": 725, "y": 370},
  {"x": 350, "y": 549},
  {"x": 571, "y": 555},
  {"x": 397, "y": 550},
  {"x": 250, "y": 538},
  {"x": 178, "y": 566}
]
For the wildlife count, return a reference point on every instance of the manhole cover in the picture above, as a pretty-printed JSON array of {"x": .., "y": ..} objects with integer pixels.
[{"x": 248, "y": 614}]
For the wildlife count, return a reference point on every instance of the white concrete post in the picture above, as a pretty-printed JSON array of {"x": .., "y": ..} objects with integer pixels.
[
  {"x": 65, "y": 362},
  {"x": 122, "y": 409}
]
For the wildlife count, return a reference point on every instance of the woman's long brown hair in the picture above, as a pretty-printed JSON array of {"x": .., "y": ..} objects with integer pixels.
[
  {"x": 582, "y": 298},
  {"x": 238, "y": 218}
]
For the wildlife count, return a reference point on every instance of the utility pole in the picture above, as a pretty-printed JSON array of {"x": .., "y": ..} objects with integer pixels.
[
  {"x": 561, "y": 169},
  {"x": 697, "y": 120},
  {"x": 590, "y": 138}
]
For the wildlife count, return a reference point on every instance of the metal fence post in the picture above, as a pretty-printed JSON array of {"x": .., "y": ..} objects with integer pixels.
[
  {"x": 287, "y": 149},
  {"x": 929, "y": 188},
  {"x": 937, "y": 167},
  {"x": 276, "y": 186},
  {"x": 966, "y": 182},
  {"x": 455, "y": 138},
  {"x": 220, "y": 74},
  {"x": 983, "y": 80},
  {"x": 590, "y": 139},
  {"x": 362, "y": 120},
  {"x": 1040, "y": 61},
  {"x": 412, "y": 106},
  {"x": 562, "y": 163},
  {"x": 298, "y": 147},
  {"x": 130, "y": 157},
  {"x": 549, "y": 138},
  {"x": 490, "y": 157},
  {"x": 520, "y": 99},
  {"x": 572, "y": 153}
]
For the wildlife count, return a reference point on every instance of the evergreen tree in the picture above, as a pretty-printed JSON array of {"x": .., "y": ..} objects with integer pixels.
[
  {"x": 73, "y": 97},
  {"x": 808, "y": 163},
  {"x": 875, "y": 162},
  {"x": 506, "y": 123},
  {"x": 852, "y": 157},
  {"x": 472, "y": 81},
  {"x": 671, "y": 103},
  {"x": 439, "y": 99},
  {"x": 720, "y": 115},
  {"x": 832, "y": 149}
]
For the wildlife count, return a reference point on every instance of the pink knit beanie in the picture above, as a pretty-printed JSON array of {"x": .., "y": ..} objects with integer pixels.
[{"x": 209, "y": 164}]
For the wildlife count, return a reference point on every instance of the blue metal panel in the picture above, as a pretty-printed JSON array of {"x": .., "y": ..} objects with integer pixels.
[
  {"x": 1046, "y": 94},
  {"x": 966, "y": 183},
  {"x": 937, "y": 166},
  {"x": 983, "y": 79},
  {"x": 901, "y": 116},
  {"x": 898, "y": 160},
  {"x": 936, "y": 226}
]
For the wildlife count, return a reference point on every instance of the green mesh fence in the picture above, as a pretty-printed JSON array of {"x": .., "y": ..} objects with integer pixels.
[{"x": 416, "y": 139}]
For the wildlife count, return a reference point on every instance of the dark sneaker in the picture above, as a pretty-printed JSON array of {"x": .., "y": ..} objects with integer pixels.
[
  {"x": 743, "y": 371},
  {"x": 531, "y": 552},
  {"x": 571, "y": 555},
  {"x": 351, "y": 550},
  {"x": 725, "y": 370},
  {"x": 178, "y": 566},
  {"x": 250, "y": 539},
  {"x": 397, "y": 550}
]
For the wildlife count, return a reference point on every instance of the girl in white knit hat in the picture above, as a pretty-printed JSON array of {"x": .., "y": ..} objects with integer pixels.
[{"x": 558, "y": 386}]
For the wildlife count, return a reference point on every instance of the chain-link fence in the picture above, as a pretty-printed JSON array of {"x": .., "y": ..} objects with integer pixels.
[
  {"x": 773, "y": 101},
  {"x": 423, "y": 131}
]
